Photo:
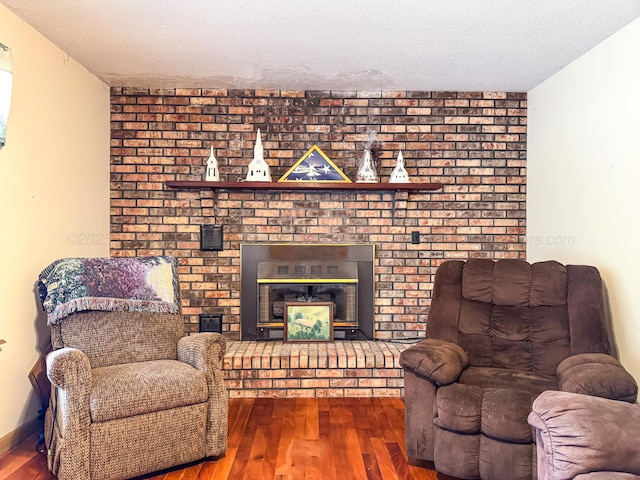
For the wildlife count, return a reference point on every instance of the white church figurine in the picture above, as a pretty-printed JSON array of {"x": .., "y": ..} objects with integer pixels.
[
  {"x": 366, "y": 171},
  {"x": 399, "y": 173},
  {"x": 258, "y": 168},
  {"x": 212, "y": 169}
]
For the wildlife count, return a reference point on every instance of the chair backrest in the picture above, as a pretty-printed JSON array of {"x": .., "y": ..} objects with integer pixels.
[
  {"x": 512, "y": 314},
  {"x": 110, "y": 338}
]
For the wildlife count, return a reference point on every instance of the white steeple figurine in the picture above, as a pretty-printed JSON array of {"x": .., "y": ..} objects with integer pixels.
[
  {"x": 366, "y": 168},
  {"x": 258, "y": 168},
  {"x": 366, "y": 172},
  {"x": 399, "y": 173},
  {"x": 212, "y": 169}
]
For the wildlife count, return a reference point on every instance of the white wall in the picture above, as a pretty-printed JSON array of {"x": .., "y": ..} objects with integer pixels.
[
  {"x": 583, "y": 175},
  {"x": 54, "y": 194}
]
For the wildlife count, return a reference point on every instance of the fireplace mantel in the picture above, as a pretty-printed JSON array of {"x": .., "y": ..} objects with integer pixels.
[{"x": 204, "y": 185}]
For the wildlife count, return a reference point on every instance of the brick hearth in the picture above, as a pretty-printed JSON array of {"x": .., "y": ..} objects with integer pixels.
[{"x": 335, "y": 369}]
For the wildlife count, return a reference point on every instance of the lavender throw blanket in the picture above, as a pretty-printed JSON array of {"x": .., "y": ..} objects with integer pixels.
[{"x": 132, "y": 284}]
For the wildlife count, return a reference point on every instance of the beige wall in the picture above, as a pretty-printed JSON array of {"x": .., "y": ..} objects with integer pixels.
[
  {"x": 54, "y": 195},
  {"x": 583, "y": 201}
]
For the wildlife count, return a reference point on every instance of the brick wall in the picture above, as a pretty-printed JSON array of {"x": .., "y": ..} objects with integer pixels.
[{"x": 473, "y": 142}]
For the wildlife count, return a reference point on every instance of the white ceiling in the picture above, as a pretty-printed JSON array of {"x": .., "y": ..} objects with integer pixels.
[{"x": 456, "y": 45}]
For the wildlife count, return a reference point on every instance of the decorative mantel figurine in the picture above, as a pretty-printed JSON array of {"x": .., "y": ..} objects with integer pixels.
[
  {"x": 212, "y": 169},
  {"x": 258, "y": 168},
  {"x": 367, "y": 169},
  {"x": 399, "y": 173}
]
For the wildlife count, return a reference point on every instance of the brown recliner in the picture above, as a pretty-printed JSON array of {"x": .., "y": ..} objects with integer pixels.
[
  {"x": 500, "y": 333},
  {"x": 581, "y": 437}
]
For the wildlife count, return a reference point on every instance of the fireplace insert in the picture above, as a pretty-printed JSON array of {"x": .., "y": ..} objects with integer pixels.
[{"x": 276, "y": 274}]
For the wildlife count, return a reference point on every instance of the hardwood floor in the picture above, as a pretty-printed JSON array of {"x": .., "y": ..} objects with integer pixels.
[{"x": 286, "y": 439}]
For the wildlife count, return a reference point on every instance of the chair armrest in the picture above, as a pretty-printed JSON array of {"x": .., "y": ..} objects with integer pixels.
[
  {"x": 203, "y": 351},
  {"x": 440, "y": 361},
  {"x": 69, "y": 368},
  {"x": 578, "y": 434},
  {"x": 596, "y": 374},
  {"x": 68, "y": 416}
]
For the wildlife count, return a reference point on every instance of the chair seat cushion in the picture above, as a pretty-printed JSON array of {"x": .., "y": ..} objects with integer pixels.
[
  {"x": 129, "y": 389},
  {"x": 494, "y": 401}
]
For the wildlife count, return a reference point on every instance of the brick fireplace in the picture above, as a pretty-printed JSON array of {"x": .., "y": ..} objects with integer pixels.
[{"x": 472, "y": 142}]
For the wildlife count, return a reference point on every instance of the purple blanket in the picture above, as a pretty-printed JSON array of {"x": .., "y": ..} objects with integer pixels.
[{"x": 132, "y": 284}]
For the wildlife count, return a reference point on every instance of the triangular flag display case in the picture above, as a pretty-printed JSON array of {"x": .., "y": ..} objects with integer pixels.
[{"x": 315, "y": 166}]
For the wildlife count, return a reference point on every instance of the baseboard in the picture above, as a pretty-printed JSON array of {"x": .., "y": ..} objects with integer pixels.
[{"x": 21, "y": 433}]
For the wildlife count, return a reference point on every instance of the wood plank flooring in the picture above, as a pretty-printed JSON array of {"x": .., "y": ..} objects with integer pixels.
[{"x": 286, "y": 439}]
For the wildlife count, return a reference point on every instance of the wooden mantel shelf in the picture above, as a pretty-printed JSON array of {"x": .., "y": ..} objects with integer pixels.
[{"x": 201, "y": 185}]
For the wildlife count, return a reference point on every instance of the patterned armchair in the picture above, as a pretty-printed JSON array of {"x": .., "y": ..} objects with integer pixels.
[
  {"x": 130, "y": 393},
  {"x": 500, "y": 333}
]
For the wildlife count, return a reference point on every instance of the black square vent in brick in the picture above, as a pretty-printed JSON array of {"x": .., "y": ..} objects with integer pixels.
[
  {"x": 211, "y": 322},
  {"x": 211, "y": 237}
]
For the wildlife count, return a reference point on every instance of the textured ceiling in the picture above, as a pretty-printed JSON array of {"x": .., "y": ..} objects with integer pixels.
[{"x": 491, "y": 45}]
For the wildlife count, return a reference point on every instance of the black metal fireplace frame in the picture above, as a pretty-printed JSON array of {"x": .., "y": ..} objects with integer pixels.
[{"x": 252, "y": 254}]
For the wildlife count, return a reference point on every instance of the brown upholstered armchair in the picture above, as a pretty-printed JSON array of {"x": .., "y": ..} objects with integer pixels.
[
  {"x": 583, "y": 437},
  {"x": 500, "y": 333},
  {"x": 131, "y": 394}
]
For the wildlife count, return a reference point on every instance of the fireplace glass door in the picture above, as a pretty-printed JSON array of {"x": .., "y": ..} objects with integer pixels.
[{"x": 282, "y": 282}]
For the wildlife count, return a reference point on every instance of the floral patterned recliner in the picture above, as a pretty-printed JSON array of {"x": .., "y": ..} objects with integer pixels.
[{"x": 131, "y": 394}]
